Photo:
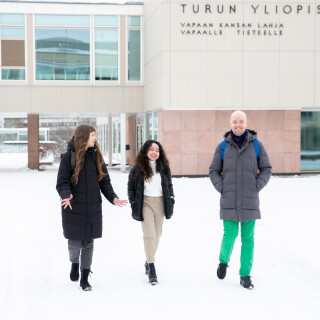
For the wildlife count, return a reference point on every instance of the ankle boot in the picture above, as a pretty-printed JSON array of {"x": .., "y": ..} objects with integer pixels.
[
  {"x": 152, "y": 274},
  {"x": 146, "y": 265},
  {"x": 85, "y": 285},
  {"x": 74, "y": 273}
]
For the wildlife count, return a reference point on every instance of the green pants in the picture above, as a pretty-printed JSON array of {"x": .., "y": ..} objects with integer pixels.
[{"x": 231, "y": 229}]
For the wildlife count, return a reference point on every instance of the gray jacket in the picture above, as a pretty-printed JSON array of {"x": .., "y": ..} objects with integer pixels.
[{"x": 237, "y": 178}]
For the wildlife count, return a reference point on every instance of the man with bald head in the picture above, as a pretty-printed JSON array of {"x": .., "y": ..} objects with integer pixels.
[{"x": 239, "y": 170}]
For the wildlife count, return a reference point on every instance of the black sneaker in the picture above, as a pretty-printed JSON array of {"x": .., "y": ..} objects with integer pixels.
[
  {"x": 246, "y": 282},
  {"x": 222, "y": 270},
  {"x": 74, "y": 273}
]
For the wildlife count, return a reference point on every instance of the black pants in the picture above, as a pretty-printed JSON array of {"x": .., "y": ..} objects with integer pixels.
[{"x": 81, "y": 250}]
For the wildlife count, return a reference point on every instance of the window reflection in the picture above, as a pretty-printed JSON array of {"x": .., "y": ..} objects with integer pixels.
[
  {"x": 62, "y": 54},
  {"x": 310, "y": 140},
  {"x": 13, "y": 74},
  {"x": 134, "y": 55},
  {"x": 152, "y": 125},
  {"x": 106, "y": 54},
  {"x": 134, "y": 21}
]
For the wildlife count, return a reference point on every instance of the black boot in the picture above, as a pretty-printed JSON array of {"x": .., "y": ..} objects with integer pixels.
[
  {"x": 222, "y": 270},
  {"x": 74, "y": 273},
  {"x": 152, "y": 274},
  {"x": 85, "y": 285},
  {"x": 146, "y": 265},
  {"x": 246, "y": 282}
]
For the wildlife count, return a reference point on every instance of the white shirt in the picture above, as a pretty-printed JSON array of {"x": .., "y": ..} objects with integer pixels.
[{"x": 153, "y": 188}]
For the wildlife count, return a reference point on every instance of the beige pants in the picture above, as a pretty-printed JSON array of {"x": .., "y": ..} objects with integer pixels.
[{"x": 153, "y": 216}]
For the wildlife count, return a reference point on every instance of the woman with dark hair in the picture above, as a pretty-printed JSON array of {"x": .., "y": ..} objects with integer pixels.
[
  {"x": 151, "y": 197},
  {"x": 82, "y": 175}
]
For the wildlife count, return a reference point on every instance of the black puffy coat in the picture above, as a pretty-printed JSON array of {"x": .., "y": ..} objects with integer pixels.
[
  {"x": 136, "y": 193},
  {"x": 84, "y": 221}
]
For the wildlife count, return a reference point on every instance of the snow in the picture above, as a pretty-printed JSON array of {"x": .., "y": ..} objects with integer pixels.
[
  {"x": 13, "y": 161},
  {"x": 35, "y": 268}
]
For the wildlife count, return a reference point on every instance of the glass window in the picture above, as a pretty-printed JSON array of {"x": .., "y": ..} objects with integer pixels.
[
  {"x": 134, "y": 21},
  {"x": 54, "y": 140},
  {"x": 23, "y": 135},
  {"x": 13, "y": 74},
  {"x": 102, "y": 135},
  {"x": 149, "y": 126},
  {"x": 140, "y": 131},
  {"x": 310, "y": 140},
  {"x": 42, "y": 135},
  {"x": 62, "y": 54},
  {"x": 10, "y": 141},
  {"x": 62, "y": 20},
  {"x": 116, "y": 138},
  {"x": 155, "y": 125},
  {"x": 6, "y": 135},
  {"x": 152, "y": 125},
  {"x": 12, "y": 19},
  {"x": 106, "y": 54},
  {"x": 12, "y": 32},
  {"x": 106, "y": 21},
  {"x": 134, "y": 55}
]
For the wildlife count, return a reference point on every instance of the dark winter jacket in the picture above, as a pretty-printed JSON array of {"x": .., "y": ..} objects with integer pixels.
[
  {"x": 84, "y": 221},
  {"x": 237, "y": 178},
  {"x": 136, "y": 193}
]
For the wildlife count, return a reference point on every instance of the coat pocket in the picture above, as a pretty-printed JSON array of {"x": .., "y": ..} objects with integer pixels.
[
  {"x": 227, "y": 202},
  {"x": 97, "y": 218},
  {"x": 75, "y": 218},
  {"x": 219, "y": 187}
]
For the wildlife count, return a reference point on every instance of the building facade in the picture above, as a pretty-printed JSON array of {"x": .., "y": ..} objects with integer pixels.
[
  {"x": 204, "y": 59},
  {"x": 169, "y": 70}
]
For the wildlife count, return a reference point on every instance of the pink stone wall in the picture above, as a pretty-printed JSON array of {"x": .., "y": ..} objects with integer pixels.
[
  {"x": 33, "y": 141},
  {"x": 131, "y": 138},
  {"x": 190, "y": 138}
]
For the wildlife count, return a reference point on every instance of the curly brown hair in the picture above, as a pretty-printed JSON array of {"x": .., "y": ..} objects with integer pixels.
[
  {"x": 81, "y": 137},
  {"x": 142, "y": 161}
]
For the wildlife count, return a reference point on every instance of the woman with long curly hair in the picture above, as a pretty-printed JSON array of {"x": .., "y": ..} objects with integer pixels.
[
  {"x": 81, "y": 178},
  {"x": 151, "y": 198}
]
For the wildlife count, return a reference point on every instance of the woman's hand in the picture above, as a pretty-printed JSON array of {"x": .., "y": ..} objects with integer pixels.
[
  {"x": 119, "y": 203},
  {"x": 66, "y": 202}
]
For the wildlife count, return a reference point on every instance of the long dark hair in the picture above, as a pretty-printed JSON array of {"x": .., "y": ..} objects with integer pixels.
[
  {"x": 81, "y": 136},
  {"x": 142, "y": 160}
]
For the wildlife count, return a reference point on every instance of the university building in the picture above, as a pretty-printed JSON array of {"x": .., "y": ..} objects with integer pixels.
[{"x": 162, "y": 69}]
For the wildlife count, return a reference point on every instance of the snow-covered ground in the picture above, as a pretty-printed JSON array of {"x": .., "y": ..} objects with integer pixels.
[{"x": 34, "y": 264}]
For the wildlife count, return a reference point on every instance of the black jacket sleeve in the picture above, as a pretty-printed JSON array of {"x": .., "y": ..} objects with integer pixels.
[
  {"x": 132, "y": 184},
  {"x": 171, "y": 188},
  {"x": 64, "y": 176},
  {"x": 106, "y": 187}
]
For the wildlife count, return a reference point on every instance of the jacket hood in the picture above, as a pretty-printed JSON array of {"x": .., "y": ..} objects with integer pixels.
[
  {"x": 251, "y": 135},
  {"x": 71, "y": 146}
]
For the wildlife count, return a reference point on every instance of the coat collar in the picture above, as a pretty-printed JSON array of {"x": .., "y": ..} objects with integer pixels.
[{"x": 250, "y": 137}]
